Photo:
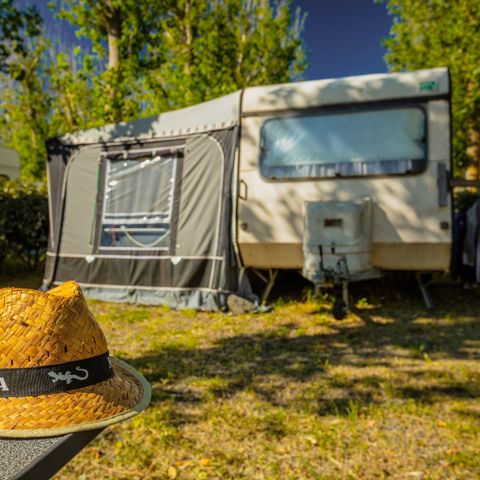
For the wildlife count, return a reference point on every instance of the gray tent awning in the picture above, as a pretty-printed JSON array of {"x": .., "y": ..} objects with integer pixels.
[{"x": 217, "y": 114}]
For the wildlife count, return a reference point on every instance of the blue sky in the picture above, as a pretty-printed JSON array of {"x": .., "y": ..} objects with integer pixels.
[{"x": 342, "y": 36}]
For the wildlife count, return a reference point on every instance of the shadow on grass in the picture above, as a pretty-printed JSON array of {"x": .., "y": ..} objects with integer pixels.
[
  {"x": 435, "y": 392},
  {"x": 23, "y": 279},
  {"x": 268, "y": 362}
]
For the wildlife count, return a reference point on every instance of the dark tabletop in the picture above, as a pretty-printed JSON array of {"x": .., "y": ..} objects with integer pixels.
[{"x": 40, "y": 458}]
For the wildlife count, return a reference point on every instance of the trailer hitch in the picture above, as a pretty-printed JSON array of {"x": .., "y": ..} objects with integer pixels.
[{"x": 338, "y": 278}]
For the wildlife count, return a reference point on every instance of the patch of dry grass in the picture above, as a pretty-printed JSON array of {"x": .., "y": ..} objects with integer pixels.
[{"x": 393, "y": 391}]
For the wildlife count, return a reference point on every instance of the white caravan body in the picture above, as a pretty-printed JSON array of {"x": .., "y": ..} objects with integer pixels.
[{"x": 350, "y": 170}]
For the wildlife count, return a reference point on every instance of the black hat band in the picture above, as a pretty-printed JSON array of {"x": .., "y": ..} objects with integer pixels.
[{"x": 35, "y": 381}]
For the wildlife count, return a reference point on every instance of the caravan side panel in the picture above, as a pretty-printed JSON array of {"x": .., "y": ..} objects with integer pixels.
[{"x": 411, "y": 227}]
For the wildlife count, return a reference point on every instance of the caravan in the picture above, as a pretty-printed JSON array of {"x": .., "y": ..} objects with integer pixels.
[{"x": 340, "y": 179}]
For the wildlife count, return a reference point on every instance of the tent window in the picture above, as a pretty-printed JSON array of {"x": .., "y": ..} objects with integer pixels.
[
  {"x": 138, "y": 203},
  {"x": 376, "y": 142}
]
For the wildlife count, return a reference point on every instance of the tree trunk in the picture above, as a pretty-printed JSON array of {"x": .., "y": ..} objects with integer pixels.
[
  {"x": 188, "y": 38},
  {"x": 114, "y": 32},
  {"x": 113, "y": 24},
  {"x": 113, "y": 49}
]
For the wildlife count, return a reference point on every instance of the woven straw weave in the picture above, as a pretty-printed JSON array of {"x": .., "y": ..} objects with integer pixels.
[{"x": 38, "y": 329}]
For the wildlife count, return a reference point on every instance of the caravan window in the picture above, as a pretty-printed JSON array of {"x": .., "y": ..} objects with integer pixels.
[
  {"x": 138, "y": 203},
  {"x": 358, "y": 143}
]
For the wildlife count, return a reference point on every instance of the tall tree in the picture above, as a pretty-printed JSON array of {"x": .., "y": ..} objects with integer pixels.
[
  {"x": 142, "y": 57},
  {"x": 164, "y": 54},
  {"x": 120, "y": 32},
  {"x": 24, "y": 111},
  {"x": 15, "y": 26},
  {"x": 74, "y": 104},
  {"x": 24, "y": 105},
  {"x": 444, "y": 33},
  {"x": 213, "y": 47}
]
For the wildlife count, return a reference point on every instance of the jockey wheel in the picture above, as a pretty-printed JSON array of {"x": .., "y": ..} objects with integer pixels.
[{"x": 340, "y": 305}]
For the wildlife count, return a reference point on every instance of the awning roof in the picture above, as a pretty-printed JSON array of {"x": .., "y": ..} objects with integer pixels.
[{"x": 215, "y": 114}]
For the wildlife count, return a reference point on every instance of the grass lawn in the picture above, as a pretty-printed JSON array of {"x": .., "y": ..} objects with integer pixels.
[{"x": 393, "y": 391}]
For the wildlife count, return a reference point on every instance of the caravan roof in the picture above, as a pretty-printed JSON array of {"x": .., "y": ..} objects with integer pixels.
[
  {"x": 224, "y": 112},
  {"x": 349, "y": 90}
]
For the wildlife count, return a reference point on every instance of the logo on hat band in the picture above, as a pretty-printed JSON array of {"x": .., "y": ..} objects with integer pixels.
[
  {"x": 23, "y": 382},
  {"x": 68, "y": 376},
  {"x": 3, "y": 385}
]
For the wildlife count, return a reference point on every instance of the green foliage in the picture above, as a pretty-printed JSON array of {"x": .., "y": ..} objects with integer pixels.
[
  {"x": 120, "y": 33},
  {"x": 24, "y": 105},
  {"x": 15, "y": 25},
  {"x": 138, "y": 57},
  {"x": 133, "y": 22},
  {"x": 443, "y": 33},
  {"x": 24, "y": 112},
  {"x": 464, "y": 199},
  {"x": 171, "y": 54},
  {"x": 72, "y": 104},
  {"x": 23, "y": 223},
  {"x": 213, "y": 48}
]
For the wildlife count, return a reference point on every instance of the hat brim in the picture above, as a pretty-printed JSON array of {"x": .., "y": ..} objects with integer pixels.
[{"x": 123, "y": 396}]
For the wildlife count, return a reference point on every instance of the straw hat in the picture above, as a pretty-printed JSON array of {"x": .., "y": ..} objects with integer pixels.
[{"x": 56, "y": 376}]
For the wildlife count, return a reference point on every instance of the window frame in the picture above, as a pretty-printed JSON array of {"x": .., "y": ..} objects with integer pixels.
[
  {"x": 338, "y": 110},
  {"x": 142, "y": 153}
]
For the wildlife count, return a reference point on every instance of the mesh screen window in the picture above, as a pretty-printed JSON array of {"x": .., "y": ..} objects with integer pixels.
[
  {"x": 138, "y": 203},
  {"x": 376, "y": 142}
]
